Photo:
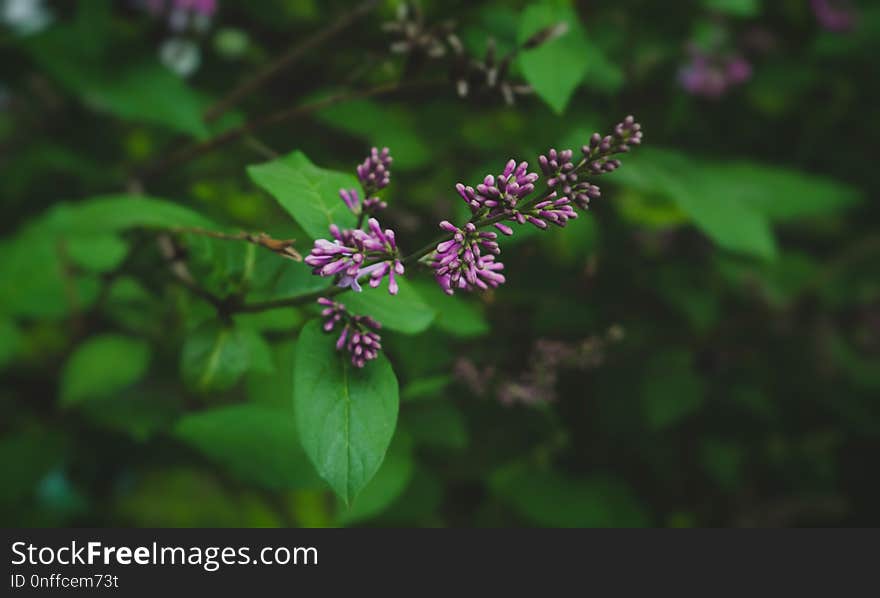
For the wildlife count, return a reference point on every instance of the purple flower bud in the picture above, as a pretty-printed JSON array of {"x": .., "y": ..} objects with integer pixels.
[
  {"x": 359, "y": 334},
  {"x": 467, "y": 261},
  {"x": 347, "y": 255},
  {"x": 374, "y": 172},
  {"x": 834, "y": 15},
  {"x": 352, "y": 200}
]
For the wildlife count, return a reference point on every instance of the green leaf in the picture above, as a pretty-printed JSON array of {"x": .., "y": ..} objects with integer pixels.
[
  {"x": 387, "y": 485},
  {"x": 381, "y": 126},
  {"x": 779, "y": 193},
  {"x": 404, "y": 312},
  {"x": 552, "y": 499},
  {"x": 215, "y": 356},
  {"x": 308, "y": 193},
  {"x": 455, "y": 315},
  {"x": 256, "y": 443},
  {"x": 670, "y": 389},
  {"x": 99, "y": 253},
  {"x": 103, "y": 366},
  {"x": 729, "y": 221},
  {"x": 345, "y": 415},
  {"x": 115, "y": 213},
  {"x": 76, "y": 232},
  {"x": 556, "y": 68},
  {"x": 145, "y": 92}
]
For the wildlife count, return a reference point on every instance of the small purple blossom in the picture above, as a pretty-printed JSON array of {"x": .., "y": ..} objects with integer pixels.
[
  {"x": 834, "y": 15},
  {"x": 467, "y": 260},
  {"x": 352, "y": 201},
  {"x": 347, "y": 254},
  {"x": 562, "y": 175},
  {"x": 359, "y": 334},
  {"x": 712, "y": 75},
  {"x": 497, "y": 196},
  {"x": 374, "y": 172}
]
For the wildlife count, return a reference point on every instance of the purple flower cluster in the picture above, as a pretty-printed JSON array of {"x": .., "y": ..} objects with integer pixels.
[
  {"x": 359, "y": 334},
  {"x": 712, "y": 75},
  {"x": 834, "y": 15},
  {"x": 562, "y": 175},
  {"x": 374, "y": 172},
  {"x": 460, "y": 263},
  {"x": 467, "y": 260},
  {"x": 347, "y": 256},
  {"x": 496, "y": 197}
]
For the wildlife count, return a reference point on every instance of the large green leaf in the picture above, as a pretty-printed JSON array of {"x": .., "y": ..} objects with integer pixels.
[
  {"x": 552, "y": 499},
  {"x": 215, "y": 355},
  {"x": 556, "y": 68},
  {"x": 730, "y": 222},
  {"x": 778, "y": 193},
  {"x": 734, "y": 202},
  {"x": 145, "y": 92},
  {"x": 36, "y": 257},
  {"x": 404, "y": 312},
  {"x": 257, "y": 443},
  {"x": 308, "y": 193},
  {"x": 114, "y": 213},
  {"x": 345, "y": 415},
  {"x": 388, "y": 483},
  {"x": 100, "y": 253},
  {"x": 102, "y": 366}
]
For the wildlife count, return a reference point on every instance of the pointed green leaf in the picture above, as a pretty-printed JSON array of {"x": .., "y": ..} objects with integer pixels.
[
  {"x": 404, "y": 312},
  {"x": 216, "y": 355},
  {"x": 102, "y": 366},
  {"x": 345, "y": 415},
  {"x": 256, "y": 443},
  {"x": 308, "y": 193}
]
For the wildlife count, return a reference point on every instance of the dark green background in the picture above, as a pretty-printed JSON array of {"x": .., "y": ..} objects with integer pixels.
[{"x": 737, "y": 251}]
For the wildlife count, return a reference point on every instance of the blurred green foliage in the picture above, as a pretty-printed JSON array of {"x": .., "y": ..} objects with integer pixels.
[{"x": 718, "y": 309}]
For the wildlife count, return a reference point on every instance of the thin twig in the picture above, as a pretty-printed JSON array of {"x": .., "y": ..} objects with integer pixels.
[
  {"x": 283, "y": 247},
  {"x": 288, "y": 58},
  {"x": 196, "y": 150}
]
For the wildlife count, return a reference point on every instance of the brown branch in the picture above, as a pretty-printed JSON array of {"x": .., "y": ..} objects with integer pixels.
[
  {"x": 288, "y": 58},
  {"x": 283, "y": 247}
]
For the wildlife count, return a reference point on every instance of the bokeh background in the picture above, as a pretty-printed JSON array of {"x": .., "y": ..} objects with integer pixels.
[{"x": 701, "y": 349}]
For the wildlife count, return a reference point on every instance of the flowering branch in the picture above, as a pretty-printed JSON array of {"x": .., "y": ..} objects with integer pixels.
[{"x": 465, "y": 257}]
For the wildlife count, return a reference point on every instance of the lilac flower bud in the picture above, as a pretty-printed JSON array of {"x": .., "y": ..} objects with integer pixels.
[
  {"x": 597, "y": 155},
  {"x": 346, "y": 257},
  {"x": 559, "y": 169},
  {"x": 499, "y": 196},
  {"x": 359, "y": 334},
  {"x": 467, "y": 260},
  {"x": 712, "y": 74},
  {"x": 375, "y": 171},
  {"x": 834, "y": 15},
  {"x": 551, "y": 211},
  {"x": 374, "y": 204},
  {"x": 352, "y": 200}
]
